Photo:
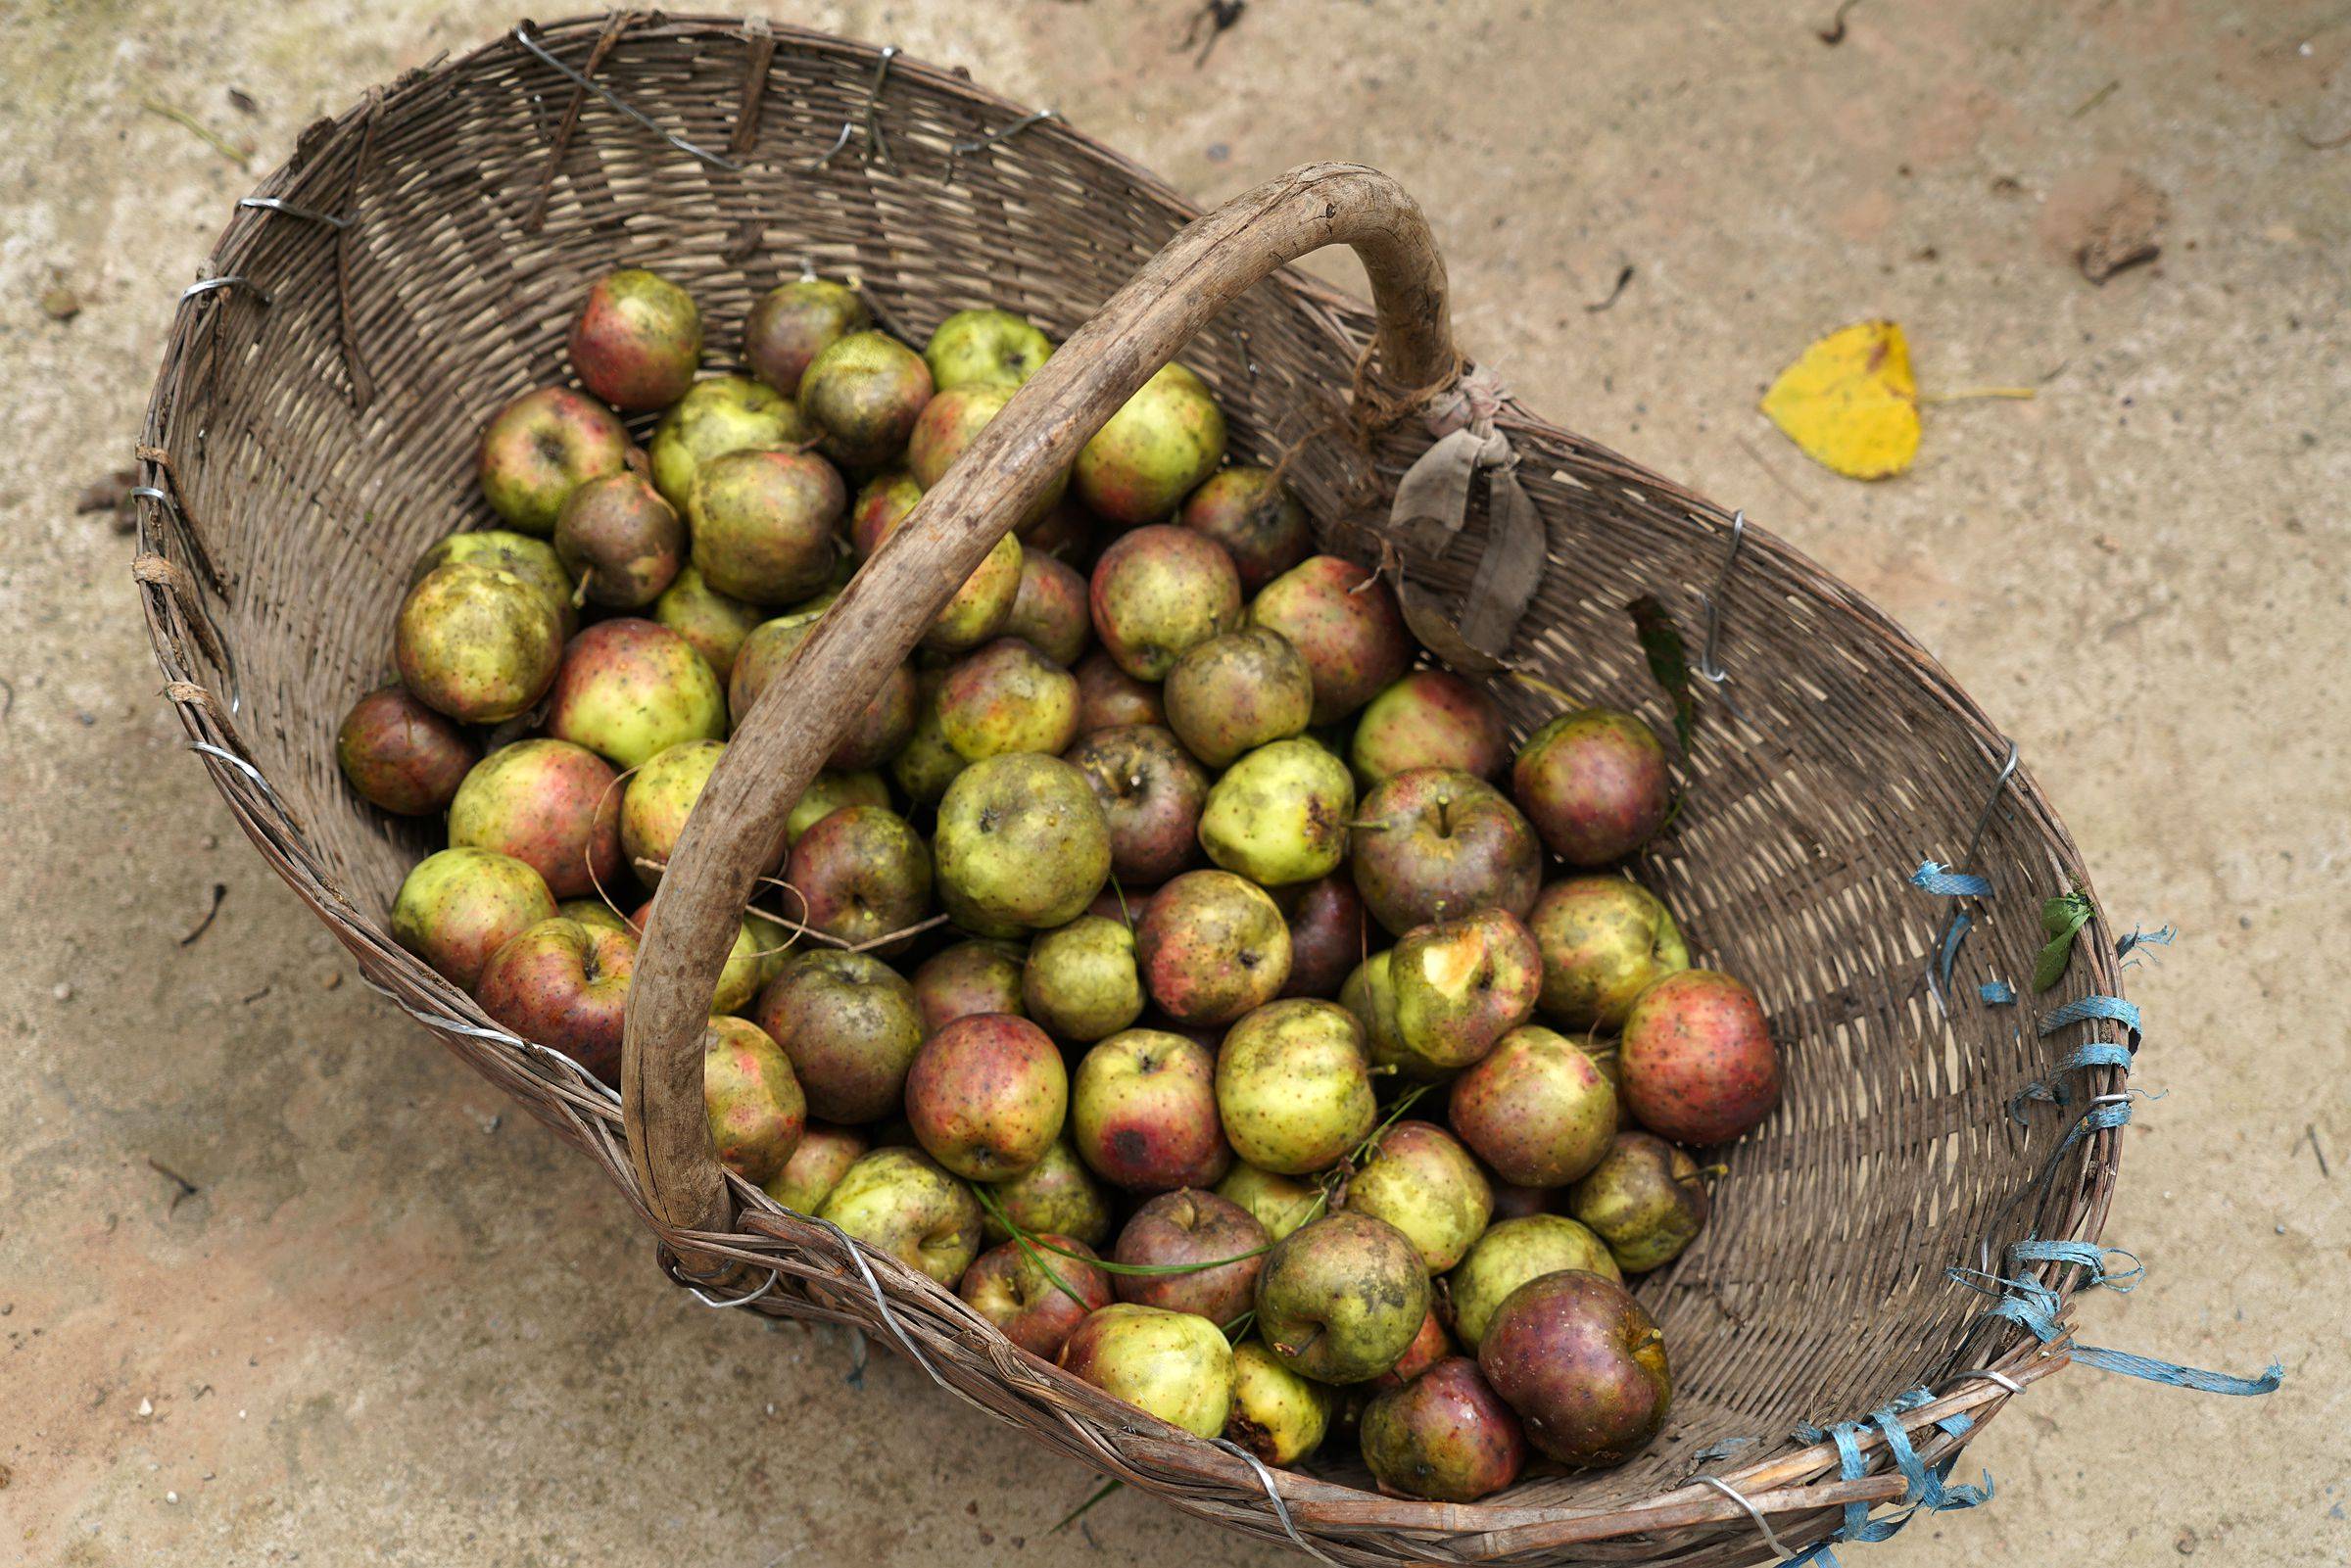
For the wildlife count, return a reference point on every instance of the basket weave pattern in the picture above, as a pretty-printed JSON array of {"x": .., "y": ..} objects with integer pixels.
[{"x": 306, "y": 437}]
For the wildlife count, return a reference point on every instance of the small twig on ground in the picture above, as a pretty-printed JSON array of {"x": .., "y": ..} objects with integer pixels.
[
  {"x": 251, "y": 997},
  {"x": 220, "y": 892},
  {"x": 243, "y": 102},
  {"x": 2310, "y": 1135},
  {"x": 187, "y": 1188},
  {"x": 1625, "y": 276},
  {"x": 2095, "y": 99},
  {"x": 8, "y": 698},
  {"x": 235, "y": 153},
  {"x": 1833, "y": 34},
  {"x": 1217, "y": 17}
]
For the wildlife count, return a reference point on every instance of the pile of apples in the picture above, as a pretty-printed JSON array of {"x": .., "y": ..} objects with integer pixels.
[{"x": 1164, "y": 922}]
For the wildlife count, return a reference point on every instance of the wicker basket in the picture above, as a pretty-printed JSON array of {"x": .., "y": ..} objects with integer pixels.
[{"x": 414, "y": 265}]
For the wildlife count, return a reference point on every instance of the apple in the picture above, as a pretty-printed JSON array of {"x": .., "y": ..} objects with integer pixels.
[
  {"x": 718, "y": 415},
  {"x": 982, "y": 607},
  {"x": 637, "y": 340},
  {"x": 477, "y": 643},
  {"x": 860, "y": 874},
  {"x": 1066, "y": 534},
  {"x": 1508, "y": 1256},
  {"x": 1342, "y": 1297},
  {"x": 1698, "y": 1060},
  {"x": 457, "y": 907},
  {"x": 1436, "y": 843},
  {"x": 1080, "y": 980},
  {"x": 1345, "y": 623},
  {"x": 881, "y": 503},
  {"x": 1236, "y": 691},
  {"x": 1185, "y": 1229},
  {"x": 1463, "y": 984},
  {"x": 1108, "y": 697},
  {"x": 534, "y": 561},
  {"x": 1279, "y": 1202},
  {"x": 767, "y": 524},
  {"x": 621, "y": 540},
  {"x": 864, "y": 392},
  {"x": 987, "y": 1095},
  {"x": 881, "y": 727},
  {"x": 755, "y": 958},
  {"x": 1280, "y": 814},
  {"x": 925, "y": 763},
  {"x": 1445, "y": 1436},
  {"x": 1058, "y": 1195},
  {"x": 1369, "y": 993},
  {"x": 1151, "y": 793},
  {"x": 539, "y": 448},
  {"x": 400, "y": 755},
  {"x": 1595, "y": 784},
  {"x": 1034, "y": 1296},
  {"x": 1251, "y": 514},
  {"x": 713, "y": 624},
  {"x": 656, "y": 800},
  {"x": 1154, "y": 451},
  {"x": 1004, "y": 698},
  {"x": 1328, "y": 936},
  {"x": 1514, "y": 1201},
  {"x": 1604, "y": 940},
  {"x": 1293, "y": 1087},
  {"x": 796, "y": 321},
  {"x": 1049, "y": 609},
  {"x": 757, "y": 1112},
  {"x": 979, "y": 977},
  {"x": 1535, "y": 1109},
  {"x": 548, "y": 804},
  {"x": 849, "y": 1024},
  {"x": 1212, "y": 948},
  {"x": 1277, "y": 1415},
  {"x": 1430, "y": 719},
  {"x": 950, "y": 422},
  {"x": 1144, "y": 1113},
  {"x": 1429, "y": 1347},
  {"x": 1021, "y": 845},
  {"x": 1171, "y": 1366},
  {"x": 827, "y": 794},
  {"x": 1157, "y": 593},
  {"x": 985, "y": 348},
  {"x": 1645, "y": 1199},
  {"x": 1583, "y": 1365},
  {"x": 629, "y": 690},
  {"x": 900, "y": 1201},
  {"x": 1419, "y": 1179},
  {"x": 563, "y": 986},
  {"x": 816, "y": 1166}
]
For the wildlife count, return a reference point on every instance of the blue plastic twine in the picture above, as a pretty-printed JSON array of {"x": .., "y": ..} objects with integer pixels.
[{"x": 1934, "y": 877}]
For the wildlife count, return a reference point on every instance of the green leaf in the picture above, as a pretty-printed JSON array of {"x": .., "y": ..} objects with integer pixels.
[
  {"x": 1669, "y": 662},
  {"x": 2063, "y": 917}
]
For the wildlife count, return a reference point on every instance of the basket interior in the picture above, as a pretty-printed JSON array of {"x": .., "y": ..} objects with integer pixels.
[{"x": 1834, "y": 759}]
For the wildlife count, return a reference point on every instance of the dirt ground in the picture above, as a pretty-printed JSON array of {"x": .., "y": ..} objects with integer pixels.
[{"x": 278, "y": 1280}]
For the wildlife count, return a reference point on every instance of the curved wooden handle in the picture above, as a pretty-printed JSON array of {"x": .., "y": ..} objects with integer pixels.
[{"x": 737, "y": 827}]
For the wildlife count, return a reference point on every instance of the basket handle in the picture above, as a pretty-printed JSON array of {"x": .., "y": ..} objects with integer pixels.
[{"x": 736, "y": 828}]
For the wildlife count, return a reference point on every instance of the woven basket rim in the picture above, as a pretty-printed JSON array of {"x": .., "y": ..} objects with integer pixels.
[{"x": 173, "y": 601}]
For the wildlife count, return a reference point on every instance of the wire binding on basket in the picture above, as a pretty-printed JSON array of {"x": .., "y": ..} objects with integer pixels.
[
  {"x": 1281, "y": 1509},
  {"x": 564, "y": 1064},
  {"x": 669, "y": 1265},
  {"x": 272, "y": 203},
  {"x": 523, "y": 37},
  {"x": 231, "y": 280},
  {"x": 877, "y": 145},
  {"x": 982, "y": 143},
  {"x": 1708, "y": 665},
  {"x": 1771, "y": 1537}
]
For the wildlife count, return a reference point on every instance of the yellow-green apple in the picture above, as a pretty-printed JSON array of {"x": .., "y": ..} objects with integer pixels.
[
  {"x": 1036, "y": 1295},
  {"x": 985, "y": 348},
  {"x": 1436, "y": 843},
  {"x": 1645, "y": 1199},
  {"x": 1158, "y": 591},
  {"x": 901, "y": 1201},
  {"x": 1369, "y": 993},
  {"x": 767, "y": 524},
  {"x": 1007, "y": 697},
  {"x": 1279, "y": 1202},
  {"x": 543, "y": 445},
  {"x": 1212, "y": 948},
  {"x": 1347, "y": 626},
  {"x": 755, "y": 958},
  {"x": 818, "y": 1162},
  {"x": 925, "y": 763},
  {"x": 1277, "y": 1415},
  {"x": 717, "y": 416},
  {"x": 1236, "y": 691},
  {"x": 1151, "y": 793},
  {"x": 1211, "y": 1248},
  {"x": 1429, "y": 719},
  {"x": 794, "y": 322},
  {"x": 1144, "y": 1113},
  {"x": 1419, "y": 1179},
  {"x": 629, "y": 690},
  {"x": 981, "y": 609},
  {"x": 457, "y": 907},
  {"x": 950, "y": 422},
  {"x": 849, "y": 1024},
  {"x": 827, "y": 794},
  {"x": 987, "y": 1095},
  {"x": 1583, "y": 1366},
  {"x": 1341, "y": 1298},
  {"x": 477, "y": 643},
  {"x": 1508, "y": 1256},
  {"x": 1445, "y": 1436},
  {"x": 1595, "y": 784},
  {"x": 638, "y": 340},
  {"x": 1535, "y": 1107},
  {"x": 1021, "y": 845},
  {"x": 1280, "y": 814},
  {"x": 1081, "y": 981},
  {"x": 400, "y": 755},
  {"x": 864, "y": 392},
  {"x": 1698, "y": 1060},
  {"x": 1463, "y": 984},
  {"x": 1251, "y": 514},
  {"x": 757, "y": 1112},
  {"x": 563, "y": 986},
  {"x": 657, "y": 798},
  {"x": 550, "y": 804},
  {"x": 1604, "y": 940},
  {"x": 1154, "y": 451},
  {"x": 534, "y": 561},
  {"x": 1171, "y": 1366},
  {"x": 1058, "y": 1195},
  {"x": 713, "y": 624},
  {"x": 1293, "y": 1088}
]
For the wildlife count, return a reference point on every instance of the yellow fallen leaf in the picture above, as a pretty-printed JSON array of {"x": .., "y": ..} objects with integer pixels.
[{"x": 1851, "y": 402}]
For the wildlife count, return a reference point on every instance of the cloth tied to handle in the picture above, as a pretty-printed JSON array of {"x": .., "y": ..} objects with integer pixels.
[{"x": 1432, "y": 505}]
